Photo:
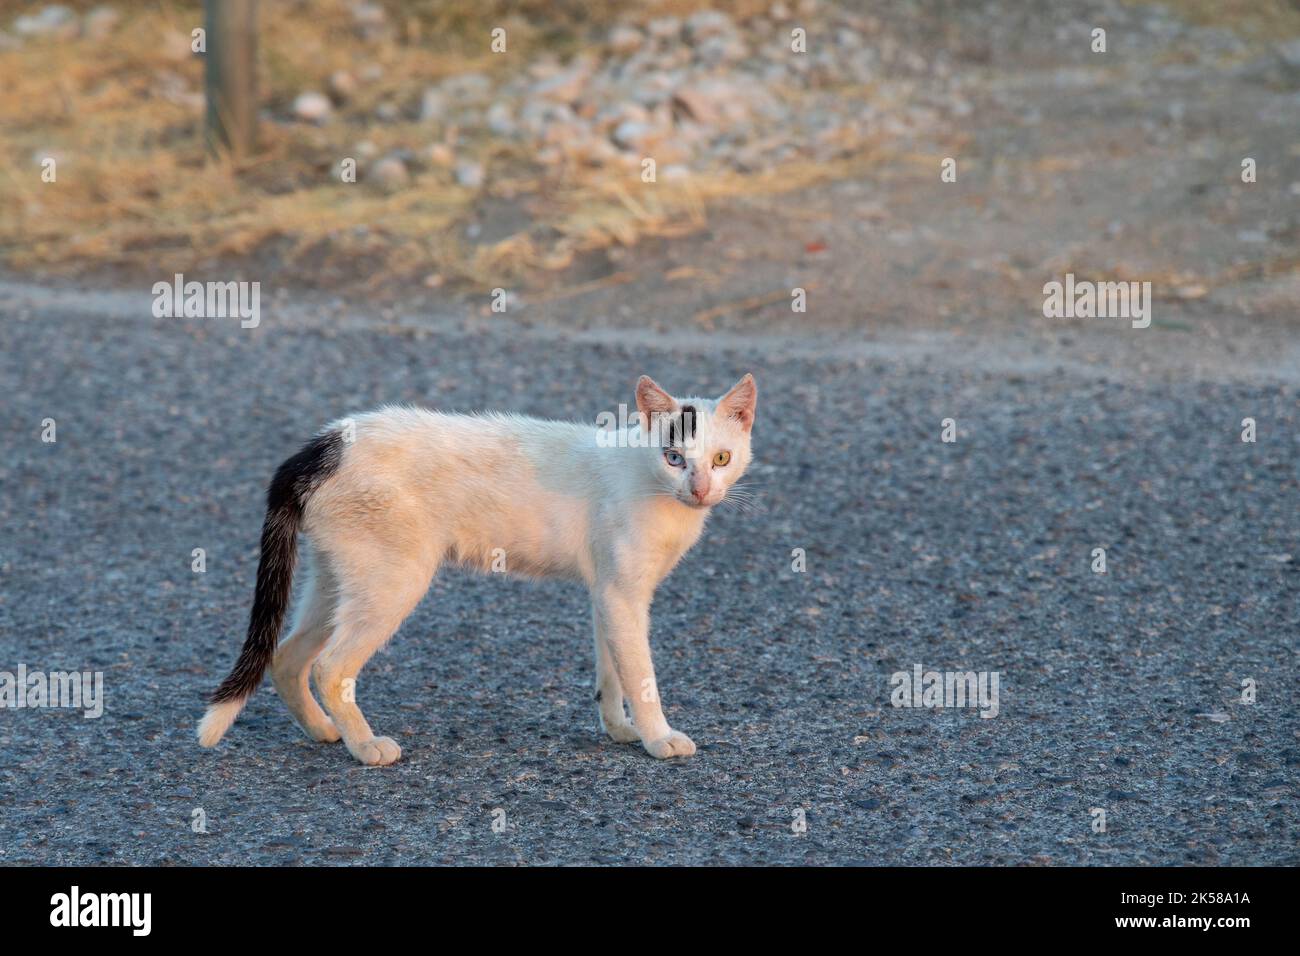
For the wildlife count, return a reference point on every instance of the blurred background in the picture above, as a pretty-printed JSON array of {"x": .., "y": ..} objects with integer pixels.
[{"x": 523, "y": 168}]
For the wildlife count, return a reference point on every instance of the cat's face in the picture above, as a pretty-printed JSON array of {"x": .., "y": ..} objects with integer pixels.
[{"x": 703, "y": 444}]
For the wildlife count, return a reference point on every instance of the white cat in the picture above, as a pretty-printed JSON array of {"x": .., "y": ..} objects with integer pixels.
[{"x": 385, "y": 498}]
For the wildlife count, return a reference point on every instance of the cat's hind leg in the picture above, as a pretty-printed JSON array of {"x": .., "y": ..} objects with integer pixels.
[
  {"x": 313, "y": 622},
  {"x": 376, "y": 595},
  {"x": 609, "y": 697}
]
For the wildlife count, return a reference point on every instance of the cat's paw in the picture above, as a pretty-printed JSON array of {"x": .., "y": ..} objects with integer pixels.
[
  {"x": 621, "y": 732},
  {"x": 376, "y": 752},
  {"x": 676, "y": 744}
]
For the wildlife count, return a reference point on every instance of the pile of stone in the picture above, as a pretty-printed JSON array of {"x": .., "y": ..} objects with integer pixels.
[
  {"x": 703, "y": 93},
  {"x": 698, "y": 94}
]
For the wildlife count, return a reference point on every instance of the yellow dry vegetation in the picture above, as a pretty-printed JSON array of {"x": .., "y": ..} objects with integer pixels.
[{"x": 123, "y": 120}]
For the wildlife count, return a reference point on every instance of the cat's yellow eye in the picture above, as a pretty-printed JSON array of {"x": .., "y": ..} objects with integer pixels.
[{"x": 721, "y": 458}]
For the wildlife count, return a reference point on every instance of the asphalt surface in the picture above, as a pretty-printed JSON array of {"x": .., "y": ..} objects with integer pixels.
[{"x": 1118, "y": 691}]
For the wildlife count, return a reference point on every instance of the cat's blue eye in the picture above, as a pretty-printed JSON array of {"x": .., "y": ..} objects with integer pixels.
[{"x": 674, "y": 458}]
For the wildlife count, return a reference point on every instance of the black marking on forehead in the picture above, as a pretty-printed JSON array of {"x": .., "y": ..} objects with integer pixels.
[{"x": 686, "y": 426}]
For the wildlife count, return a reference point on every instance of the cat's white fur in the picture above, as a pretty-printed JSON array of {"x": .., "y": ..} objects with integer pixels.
[{"x": 419, "y": 488}]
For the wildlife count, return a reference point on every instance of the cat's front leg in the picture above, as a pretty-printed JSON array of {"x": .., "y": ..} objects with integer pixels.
[{"x": 623, "y": 630}]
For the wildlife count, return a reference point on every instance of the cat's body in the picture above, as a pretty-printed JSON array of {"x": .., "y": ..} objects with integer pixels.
[{"x": 385, "y": 498}]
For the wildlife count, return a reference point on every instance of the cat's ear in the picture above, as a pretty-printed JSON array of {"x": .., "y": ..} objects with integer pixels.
[
  {"x": 740, "y": 402},
  {"x": 651, "y": 400}
]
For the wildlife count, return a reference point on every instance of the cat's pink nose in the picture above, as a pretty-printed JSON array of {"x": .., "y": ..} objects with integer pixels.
[{"x": 700, "y": 485}]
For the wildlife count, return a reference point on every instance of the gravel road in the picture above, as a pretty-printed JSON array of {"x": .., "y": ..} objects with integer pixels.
[{"x": 1120, "y": 692}]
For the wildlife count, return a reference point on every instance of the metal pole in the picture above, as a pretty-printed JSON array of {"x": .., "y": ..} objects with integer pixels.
[{"x": 231, "y": 76}]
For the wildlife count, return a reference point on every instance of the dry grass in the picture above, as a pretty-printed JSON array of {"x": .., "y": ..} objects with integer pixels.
[
  {"x": 136, "y": 192},
  {"x": 133, "y": 180},
  {"x": 134, "y": 188}
]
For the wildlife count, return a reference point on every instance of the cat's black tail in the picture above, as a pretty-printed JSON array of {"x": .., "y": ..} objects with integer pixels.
[{"x": 292, "y": 485}]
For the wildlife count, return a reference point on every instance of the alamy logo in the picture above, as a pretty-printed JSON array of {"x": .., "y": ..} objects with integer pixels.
[
  {"x": 627, "y": 429},
  {"x": 1103, "y": 300},
  {"x": 936, "y": 689},
  {"x": 76, "y": 690},
  {"x": 179, "y": 299},
  {"x": 103, "y": 909}
]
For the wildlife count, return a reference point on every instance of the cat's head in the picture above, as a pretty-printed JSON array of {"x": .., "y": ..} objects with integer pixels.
[{"x": 701, "y": 445}]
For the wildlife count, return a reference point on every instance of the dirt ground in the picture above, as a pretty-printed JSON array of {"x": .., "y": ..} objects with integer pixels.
[{"x": 1124, "y": 165}]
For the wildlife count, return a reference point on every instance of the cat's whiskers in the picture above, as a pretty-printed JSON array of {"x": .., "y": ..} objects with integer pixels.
[{"x": 744, "y": 498}]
